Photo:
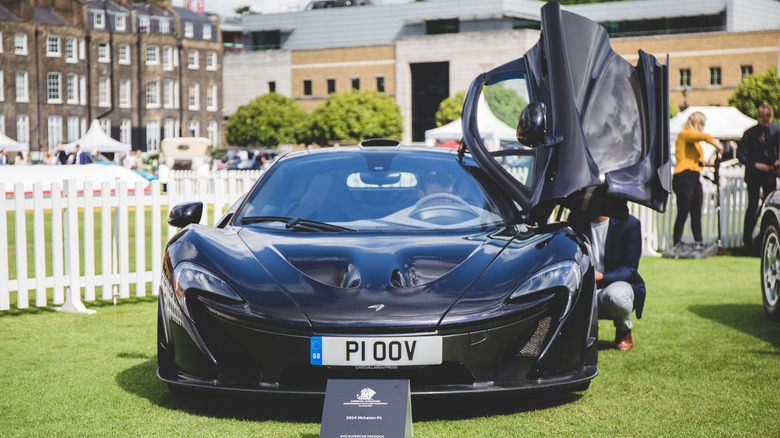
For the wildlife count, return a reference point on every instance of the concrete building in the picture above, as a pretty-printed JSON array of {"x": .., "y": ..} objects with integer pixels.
[
  {"x": 64, "y": 63},
  {"x": 422, "y": 52}
]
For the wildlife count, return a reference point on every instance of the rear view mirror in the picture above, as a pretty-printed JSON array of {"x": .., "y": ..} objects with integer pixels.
[
  {"x": 185, "y": 214},
  {"x": 532, "y": 127}
]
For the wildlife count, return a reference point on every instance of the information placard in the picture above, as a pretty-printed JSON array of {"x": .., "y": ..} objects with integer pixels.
[{"x": 367, "y": 409}]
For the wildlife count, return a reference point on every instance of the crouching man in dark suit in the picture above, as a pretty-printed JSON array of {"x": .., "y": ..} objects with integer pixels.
[{"x": 617, "y": 248}]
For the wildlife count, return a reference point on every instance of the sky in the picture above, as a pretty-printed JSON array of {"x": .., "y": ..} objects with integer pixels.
[{"x": 226, "y": 8}]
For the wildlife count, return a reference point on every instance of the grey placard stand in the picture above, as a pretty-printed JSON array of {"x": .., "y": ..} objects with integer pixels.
[{"x": 367, "y": 409}]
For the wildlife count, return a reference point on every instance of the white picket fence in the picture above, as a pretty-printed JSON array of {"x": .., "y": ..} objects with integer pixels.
[{"x": 65, "y": 273}]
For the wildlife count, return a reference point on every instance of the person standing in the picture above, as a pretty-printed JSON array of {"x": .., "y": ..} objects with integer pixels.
[
  {"x": 61, "y": 155},
  {"x": 685, "y": 180},
  {"x": 3, "y": 157},
  {"x": 758, "y": 151},
  {"x": 616, "y": 249}
]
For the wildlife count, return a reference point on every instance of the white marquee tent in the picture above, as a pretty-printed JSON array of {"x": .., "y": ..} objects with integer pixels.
[
  {"x": 96, "y": 140},
  {"x": 492, "y": 129},
  {"x": 723, "y": 122},
  {"x": 12, "y": 145}
]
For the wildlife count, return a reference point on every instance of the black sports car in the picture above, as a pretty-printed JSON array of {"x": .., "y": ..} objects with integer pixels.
[
  {"x": 770, "y": 254},
  {"x": 450, "y": 268}
]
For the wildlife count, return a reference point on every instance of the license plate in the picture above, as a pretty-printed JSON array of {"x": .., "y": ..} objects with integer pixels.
[{"x": 382, "y": 351}]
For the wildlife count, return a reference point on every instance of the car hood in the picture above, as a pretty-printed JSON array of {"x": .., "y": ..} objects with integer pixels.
[{"x": 341, "y": 279}]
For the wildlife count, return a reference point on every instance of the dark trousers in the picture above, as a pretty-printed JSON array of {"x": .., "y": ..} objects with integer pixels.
[
  {"x": 687, "y": 189},
  {"x": 758, "y": 187}
]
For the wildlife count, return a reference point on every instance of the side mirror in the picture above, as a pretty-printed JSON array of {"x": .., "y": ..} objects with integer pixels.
[
  {"x": 532, "y": 127},
  {"x": 184, "y": 214}
]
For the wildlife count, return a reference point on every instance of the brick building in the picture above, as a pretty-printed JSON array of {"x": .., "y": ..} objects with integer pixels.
[{"x": 146, "y": 71}]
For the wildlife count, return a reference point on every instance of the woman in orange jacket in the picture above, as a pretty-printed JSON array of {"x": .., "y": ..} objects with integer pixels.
[{"x": 685, "y": 181}]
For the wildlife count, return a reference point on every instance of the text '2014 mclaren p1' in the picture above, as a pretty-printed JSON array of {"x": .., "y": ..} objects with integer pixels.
[{"x": 435, "y": 265}]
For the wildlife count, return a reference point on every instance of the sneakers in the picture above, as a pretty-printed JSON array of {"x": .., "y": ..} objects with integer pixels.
[{"x": 623, "y": 341}]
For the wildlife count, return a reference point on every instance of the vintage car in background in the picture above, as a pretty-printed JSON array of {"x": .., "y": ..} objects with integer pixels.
[
  {"x": 184, "y": 153},
  {"x": 447, "y": 267}
]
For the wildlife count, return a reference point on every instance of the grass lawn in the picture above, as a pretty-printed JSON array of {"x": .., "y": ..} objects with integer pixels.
[{"x": 706, "y": 363}]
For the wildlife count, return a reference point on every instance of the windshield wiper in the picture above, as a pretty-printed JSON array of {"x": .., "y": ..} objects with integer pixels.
[{"x": 295, "y": 223}]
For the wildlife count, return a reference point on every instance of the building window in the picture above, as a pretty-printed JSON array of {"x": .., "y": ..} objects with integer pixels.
[
  {"x": 83, "y": 90},
  {"x": 73, "y": 129},
  {"x": 167, "y": 58},
  {"x": 169, "y": 128},
  {"x": 55, "y": 131},
  {"x": 685, "y": 77},
  {"x": 53, "y": 45},
  {"x": 380, "y": 84},
  {"x": 355, "y": 83},
  {"x": 70, "y": 50},
  {"x": 2, "y": 86},
  {"x": 21, "y": 87},
  {"x": 125, "y": 128},
  {"x": 188, "y": 30},
  {"x": 168, "y": 94},
  {"x": 165, "y": 26},
  {"x": 194, "y": 101},
  {"x": 192, "y": 59},
  {"x": 124, "y": 93},
  {"x": 176, "y": 101},
  {"x": 206, "y": 31},
  {"x": 72, "y": 88},
  {"x": 212, "y": 131},
  {"x": 715, "y": 76},
  {"x": 82, "y": 126},
  {"x": 23, "y": 129},
  {"x": 99, "y": 19},
  {"x": 153, "y": 94},
  {"x": 435, "y": 27},
  {"x": 331, "y": 86},
  {"x": 104, "y": 92},
  {"x": 307, "y": 87},
  {"x": 194, "y": 128},
  {"x": 152, "y": 135},
  {"x": 2, "y": 123},
  {"x": 103, "y": 53},
  {"x": 211, "y": 97},
  {"x": 105, "y": 125},
  {"x": 211, "y": 61},
  {"x": 124, "y": 53},
  {"x": 53, "y": 88},
  {"x": 745, "y": 70},
  {"x": 120, "y": 23},
  {"x": 20, "y": 43},
  {"x": 266, "y": 40},
  {"x": 1, "y": 45},
  {"x": 82, "y": 49},
  {"x": 271, "y": 86},
  {"x": 152, "y": 55},
  {"x": 144, "y": 24}
]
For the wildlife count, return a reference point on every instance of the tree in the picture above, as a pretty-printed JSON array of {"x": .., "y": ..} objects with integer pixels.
[
  {"x": 269, "y": 120},
  {"x": 673, "y": 109},
  {"x": 244, "y": 10},
  {"x": 505, "y": 103},
  {"x": 756, "y": 89},
  {"x": 355, "y": 116},
  {"x": 450, "y": 109}
]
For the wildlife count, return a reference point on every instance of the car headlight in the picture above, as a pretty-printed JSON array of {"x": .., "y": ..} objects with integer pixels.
[
  {"x": 564, "y": 275},
  {"x": 188, "y": 276}
]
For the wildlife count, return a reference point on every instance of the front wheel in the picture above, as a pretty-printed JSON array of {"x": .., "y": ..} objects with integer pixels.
[{"x": 770, "y": 272}]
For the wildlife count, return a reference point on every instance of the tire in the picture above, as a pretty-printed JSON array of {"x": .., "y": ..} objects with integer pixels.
[{"x": 770, "y": 272}]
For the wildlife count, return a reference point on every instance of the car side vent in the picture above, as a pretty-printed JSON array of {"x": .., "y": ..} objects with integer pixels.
[
  {"x": 372, "y": 142},
  {"x": 535, "y": 344}
]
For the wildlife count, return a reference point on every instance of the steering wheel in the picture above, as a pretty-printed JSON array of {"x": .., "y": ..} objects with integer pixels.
[{"x": 442, "y": 213}]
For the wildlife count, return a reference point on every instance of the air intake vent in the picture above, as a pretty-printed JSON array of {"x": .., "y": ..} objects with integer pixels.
[{"x": 380, "y": 142}]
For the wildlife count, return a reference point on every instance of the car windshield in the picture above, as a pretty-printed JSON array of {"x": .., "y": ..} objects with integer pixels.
[{"x": 370, "y": 190}]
